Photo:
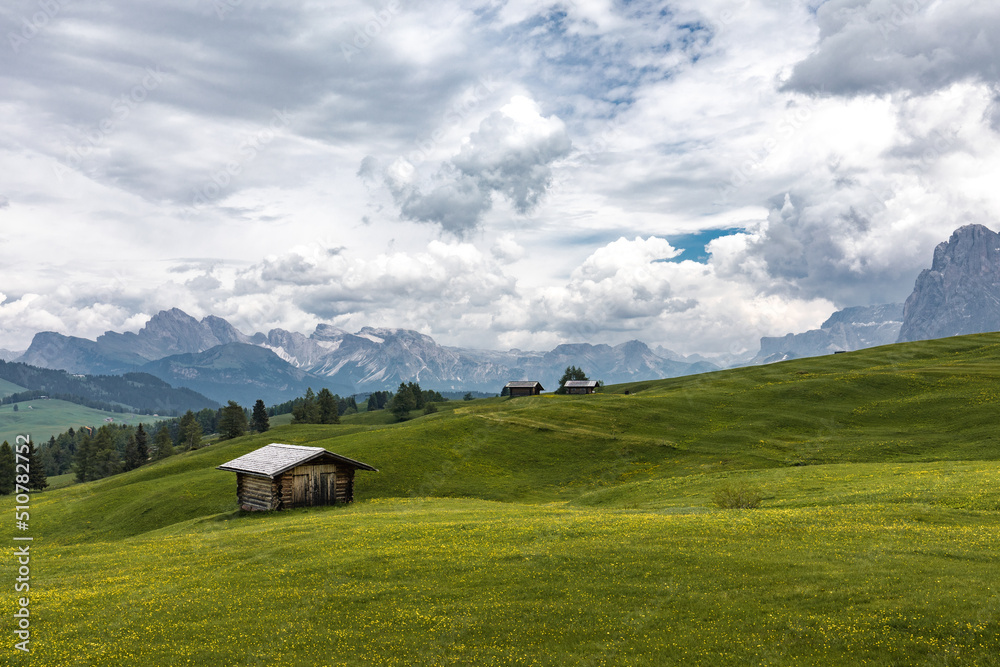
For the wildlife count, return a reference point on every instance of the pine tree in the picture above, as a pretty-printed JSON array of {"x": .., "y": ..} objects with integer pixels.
[
  {"x": 132, "y": 460},
  {"x": 164, "y": 444},
  {"x": 83, "y": 462},
  {"x": 37, "y": 481},
  {"x": 142, "y": 444},
  {"x": 6, "y": 469},
  {"x": 260, "y": 420},
  {"x": 306, "y": 411},
  {"x": 233, "y": 422},
  {"x": 327, "y": 410},
  {"x": 402, "y": 403},
  {"x": 104, "y": 458},
  {"x": 190, "y": 431},
  {"x": 418, "y": 395}
]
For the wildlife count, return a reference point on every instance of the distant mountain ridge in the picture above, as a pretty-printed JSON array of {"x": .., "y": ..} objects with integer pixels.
[
  {"x": 214, "y": 358},
  {"x": 846, "y": 330}
]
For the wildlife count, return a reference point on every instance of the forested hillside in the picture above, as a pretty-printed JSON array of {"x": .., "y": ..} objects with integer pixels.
[{"x": 131, "y": 392}]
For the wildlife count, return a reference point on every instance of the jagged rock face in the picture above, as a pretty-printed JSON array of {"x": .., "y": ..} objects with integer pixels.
[
  {"x": 960, "y": 293},
  {"x": 847, "y": 330}
]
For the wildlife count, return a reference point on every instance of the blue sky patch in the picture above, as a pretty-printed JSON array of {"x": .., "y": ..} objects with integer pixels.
[{"x": 693, "y": 245}]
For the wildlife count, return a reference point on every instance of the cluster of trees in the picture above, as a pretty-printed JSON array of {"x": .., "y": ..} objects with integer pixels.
[
  {"x": 377, "y": 400},
  {"x": 297, "y": 406},
  {"x": 322, "y": 408},
  {"x": 8, "y": 469},
  {"x": 409, "y": 396},
  {"x": 115, "y": 448}
]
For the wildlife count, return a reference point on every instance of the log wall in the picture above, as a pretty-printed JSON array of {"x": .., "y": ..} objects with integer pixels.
[{"x": 257, "y": 493}]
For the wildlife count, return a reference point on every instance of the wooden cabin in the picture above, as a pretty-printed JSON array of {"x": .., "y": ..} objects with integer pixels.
[
  {"x": 524, "y": 388},
  {"x": 278, "y": 477},
  {"x": 580, "y": 386}
]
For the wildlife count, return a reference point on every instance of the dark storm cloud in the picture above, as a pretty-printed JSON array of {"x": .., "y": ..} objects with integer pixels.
[{"x": 883, "y": 46}]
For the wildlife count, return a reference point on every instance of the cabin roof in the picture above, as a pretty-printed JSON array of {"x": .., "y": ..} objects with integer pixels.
[
  {"x": 276, "y": 458},
  {"x": 581, "y": 383},
  {"x": 524, "y": 384}
]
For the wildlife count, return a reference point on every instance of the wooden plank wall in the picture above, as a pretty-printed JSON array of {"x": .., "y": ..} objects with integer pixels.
[{"x": 314, "y": 490}]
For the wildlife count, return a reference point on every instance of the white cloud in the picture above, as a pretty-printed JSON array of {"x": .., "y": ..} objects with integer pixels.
[{"x": 553, "y": 147}]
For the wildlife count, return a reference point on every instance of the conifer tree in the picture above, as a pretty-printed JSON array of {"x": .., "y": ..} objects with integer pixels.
[
  {"x": 306, "y": 411},
  {"x": 259, "y": 420},
  {"x": 164, "y": 444},
  {"x": 37, "y": 481},
  {"x": 83, "y": 462},
  {"x": 190, "y": 431},
  {"x": 104, "y": 456},
  {"x": 6, "y": 469},
  {"x": 142, "y": 444},
  {"x": 132, "y": 459},
  {"x": 327, "y": 409},
  {"x": 233, "y": 421},
  {"x": 402, "y": 402}
]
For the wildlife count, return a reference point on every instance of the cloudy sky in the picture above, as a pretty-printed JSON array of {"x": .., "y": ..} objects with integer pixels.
[{"x": 693, "y": 173}]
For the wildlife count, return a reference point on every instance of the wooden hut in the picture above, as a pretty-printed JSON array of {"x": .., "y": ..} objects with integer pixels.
[
  {"x": 278, "y": 477},
  {"x": 524, "y": 388},
  {"x": 580, "y": 386}
]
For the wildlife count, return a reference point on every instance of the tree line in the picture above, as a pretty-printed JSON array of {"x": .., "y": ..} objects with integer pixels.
[{"x": 94, "y": 453}]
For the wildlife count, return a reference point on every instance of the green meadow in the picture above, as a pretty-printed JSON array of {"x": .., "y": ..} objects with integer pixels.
[
  {"x": 559, "y": 530},
  {"x": 44, "y": 418}
]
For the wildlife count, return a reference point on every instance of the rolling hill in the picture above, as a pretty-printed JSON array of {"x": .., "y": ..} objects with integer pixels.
[
  {"x": 44, "y": 418},
  {"x": 571, "y": 530}
]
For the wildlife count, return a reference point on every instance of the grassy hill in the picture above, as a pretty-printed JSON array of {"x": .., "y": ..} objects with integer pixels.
[
  {"x": 570, "y": 530},
  {"x": 44, "y": 418},
  {"x": 8, "y": 388}
]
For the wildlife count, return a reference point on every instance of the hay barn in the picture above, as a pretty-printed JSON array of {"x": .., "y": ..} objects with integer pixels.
[
  {"x": 278, "y": 477},
  {"x": 524, "y": 388},
  {"x": 580, "y": 386}
]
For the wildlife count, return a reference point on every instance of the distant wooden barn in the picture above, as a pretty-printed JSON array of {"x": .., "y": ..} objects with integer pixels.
[
  {"x": 524, "y": 388},
  {"x": 278, "y": 477},
  {"x": 581, "y": 386}
]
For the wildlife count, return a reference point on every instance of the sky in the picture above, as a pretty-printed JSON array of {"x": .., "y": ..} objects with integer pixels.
[{"x": 496, "y": 174}]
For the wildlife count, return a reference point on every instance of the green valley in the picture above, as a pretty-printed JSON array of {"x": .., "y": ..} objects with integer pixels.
[{"x": 44, "y": 418}]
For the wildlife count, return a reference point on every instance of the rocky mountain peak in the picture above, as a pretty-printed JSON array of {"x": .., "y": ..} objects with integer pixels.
[
  {"x": 327, "y": 332},
  {"x": 960, "y": 293}
]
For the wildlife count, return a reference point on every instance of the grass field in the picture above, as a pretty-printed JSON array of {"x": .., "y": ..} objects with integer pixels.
[
  {"x": 43, "y": 419},
  {"x": 568, "y": 531},
  {"x": 8, "y": 388}
]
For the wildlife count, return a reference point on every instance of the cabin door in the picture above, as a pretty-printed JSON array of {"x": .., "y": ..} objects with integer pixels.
[
  {"x": 327, "y": 488},
  {"x": 300, "y": 490}
]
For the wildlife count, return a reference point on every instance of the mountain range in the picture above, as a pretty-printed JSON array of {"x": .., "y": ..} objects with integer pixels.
[
  {"x": 959, "y": 294},
  {"x": 213, "y": 358}
]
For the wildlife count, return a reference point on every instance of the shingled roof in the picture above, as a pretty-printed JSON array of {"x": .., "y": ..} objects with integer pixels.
[
  {"x": 524, "y": 384},
  {"x": 276, "y": 458},
  {"x": 581, "y": 383}
]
